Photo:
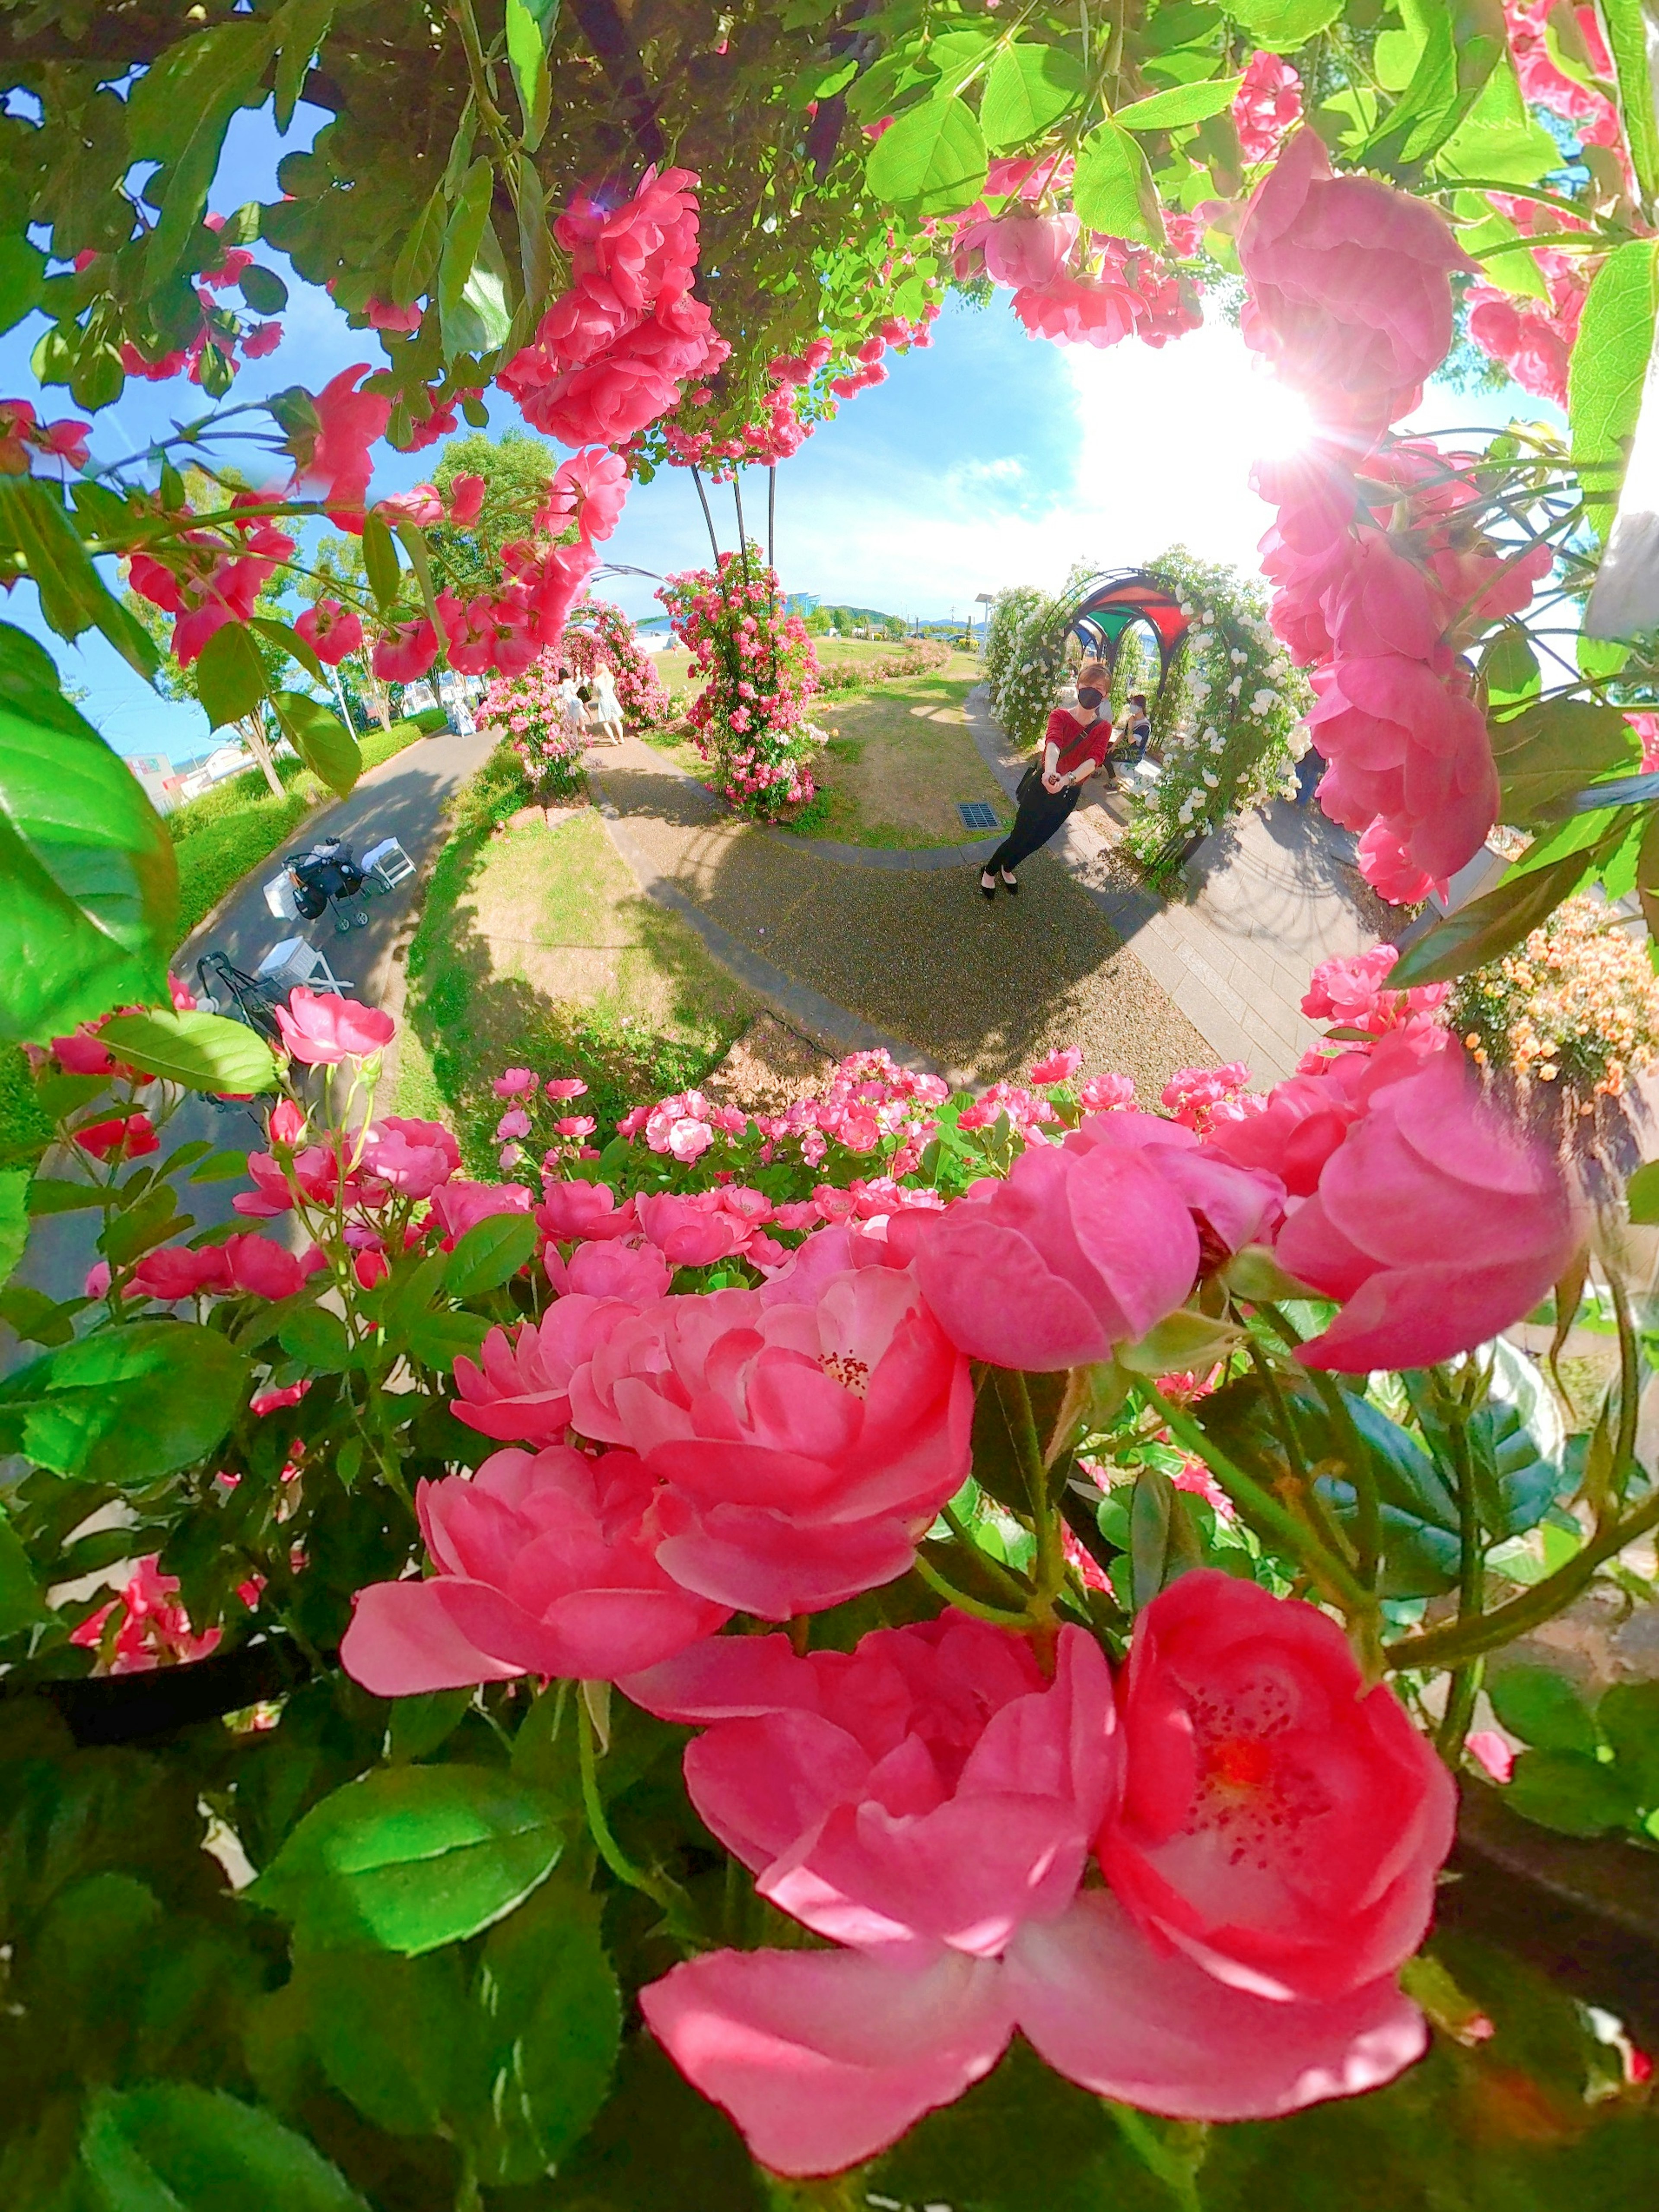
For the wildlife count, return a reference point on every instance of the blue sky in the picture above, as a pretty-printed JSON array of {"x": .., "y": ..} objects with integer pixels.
[{"x": 986, "y": 460}]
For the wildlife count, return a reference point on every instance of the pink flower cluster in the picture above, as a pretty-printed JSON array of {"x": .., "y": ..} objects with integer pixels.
[
  {"x": 1269, "y": 1832},
  {"x": 525, "y": 709},
  {"x": 612, "y": 353},
  {"x": 599, "y": 631},
  {"x": 871, "y": 1101},
  {"x": 22, "y": 437},
  {"x": 1533, "y": 339},
  {"x": 758, "y": 671},
  {"x": 212, "y": 577},
  {"x": 793, "y": 1442},
  {"x": 213, "y": 331},
  {"x": 1266, "y": 107},
  {"x": 143, "y": 1626},
  {"x": 1350, "y": 297},
  {"x": 1094, "y": 290}
]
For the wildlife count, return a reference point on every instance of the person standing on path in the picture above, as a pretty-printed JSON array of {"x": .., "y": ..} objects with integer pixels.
[
  {"x": 1073, "y": 749},
  {"x": 606, "y": 706}
]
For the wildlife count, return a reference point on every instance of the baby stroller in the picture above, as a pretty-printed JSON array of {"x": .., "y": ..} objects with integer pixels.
[
  {"x": 224, "y": 988},
  {"x": 328, "y": 876}
]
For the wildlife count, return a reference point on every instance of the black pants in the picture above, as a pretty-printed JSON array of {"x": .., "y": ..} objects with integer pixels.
[{"x": 1039, "y": 817}]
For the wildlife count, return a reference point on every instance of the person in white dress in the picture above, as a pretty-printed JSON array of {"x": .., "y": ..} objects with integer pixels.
[
  {"x": 604, "y": 707},
  {"x": 570, "y": 704}
]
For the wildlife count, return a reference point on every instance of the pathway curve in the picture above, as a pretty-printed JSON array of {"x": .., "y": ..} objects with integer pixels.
[
  {"x": 908, "y": 950},
  {"x": 403, "y": 798},
  {"x": 1277, "y": 892}
]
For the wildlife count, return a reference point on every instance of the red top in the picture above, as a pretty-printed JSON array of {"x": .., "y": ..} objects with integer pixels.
[{"x": 1076, "y": 741}]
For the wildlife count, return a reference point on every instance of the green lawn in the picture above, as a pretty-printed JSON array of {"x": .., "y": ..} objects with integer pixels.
[
  {"x": 898, "y": 760},
  {"x": 219, "y": 836},
  {"x": 538, "y": 949}
]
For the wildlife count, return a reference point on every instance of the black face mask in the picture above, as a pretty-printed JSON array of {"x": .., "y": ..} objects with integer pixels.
[{"x": 1088, "y": 696}]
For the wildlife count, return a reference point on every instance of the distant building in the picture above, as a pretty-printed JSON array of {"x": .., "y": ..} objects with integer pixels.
[{"x": 155, "y": 771}]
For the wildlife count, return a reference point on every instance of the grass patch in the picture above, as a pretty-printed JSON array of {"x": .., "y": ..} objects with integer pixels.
[
  {"x": 538, "y": 949},
  {"x": 219, "y": 836},
  {"x": 898, "y": 760}
]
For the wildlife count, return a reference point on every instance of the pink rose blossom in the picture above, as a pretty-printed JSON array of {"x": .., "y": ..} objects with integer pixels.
[
  {"x": 518, "y": 1389},
  {"x": 561, "y": 1087},
  {"x": 546, "y": 1565},
  {"x": 322, "y": 1029},
  {"x": 616, "y": 1270},
  {"x": 584, "y": 1210},
  {"x": 1057, "y": 1067},
  {"x": 413, "y": 1156},
  {"x": 513, "y": 1082},
  {"x": 513, "y": 1123}
]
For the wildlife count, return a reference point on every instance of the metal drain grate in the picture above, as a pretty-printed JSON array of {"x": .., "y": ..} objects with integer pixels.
[{"x": 976, "y": 813}]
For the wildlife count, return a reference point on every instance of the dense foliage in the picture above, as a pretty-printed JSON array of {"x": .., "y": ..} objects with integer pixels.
[{"x": 809, "y": 1597}]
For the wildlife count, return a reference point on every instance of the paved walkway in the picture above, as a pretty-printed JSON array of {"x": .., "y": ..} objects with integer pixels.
[
  {"x": 909, "y": 950},
  {"x": 1278, "y": 892}
]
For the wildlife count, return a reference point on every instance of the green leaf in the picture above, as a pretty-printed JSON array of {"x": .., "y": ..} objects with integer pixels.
[
  {"x": 320, "y": 737},
  {"x": 417, "y": 258},
  {"x": 485, "y": 318},
  {"x": 462, "y": 235},
  {"x": 1500, "y": 140},
  {"x": 171, "y": 2147},
  {"x": 490, "y": 1253},
  {"x": 1642, "y": 1195},
  {"x": 91, "y": 877},
  {"x": 1508, "y": 666},
  {"x": 1606, "y": 374},
  {"x": 73, "y": 597},
  {"x": 263, "y": 290},
  {"x": 1566, "y": 1791},
  {"x": 438, "y": 1340},
  {"x": 1487, "y": 926},
  {"x": 128, "y": 1404},
  {"x": 421, "y": 1722},
  {"x": 1462, "y": 42},
  {"x": 23, "y": 269},
  {"x": 411, "y": 1857},
  {"x": 55, "y": 1195},
  {"x": 391, "y": 2033},
  {"x": 178, "y": 114},
  {"x": 386, "y": 578},
  {"x": 203, "y": 1052},
  {"x": 318, "y": 1337},
  {"x": 14, "y": 1218},
  {"x": 552, "y": 2028},
  {"x": 300, "y": 29},
  {"x": 932, "y": 160},
  {"x": 1113, "y": 190},
  {"x": 20, "y": 1602},
  {"x": 1181, "y": 105},
  {"x": 289, "y": 642},
  {"x": 1626, "y": 30},
  {"x": 1281, "y": 26},
  {"x": 1543, "y": 1709},
  {"x": 1027, "y": 91},
  {"x": 1550, "y": 751},
  {"x": 530, "y": 27},
  {"x": 1629, "y": 1718},
  {"x": 230, "y": 677}
]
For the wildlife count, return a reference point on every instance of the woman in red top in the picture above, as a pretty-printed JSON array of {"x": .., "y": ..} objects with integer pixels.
[{"x": 1073, "y": 748}]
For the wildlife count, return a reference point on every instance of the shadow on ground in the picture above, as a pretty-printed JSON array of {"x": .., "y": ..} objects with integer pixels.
[{"x": 985, "y": 988}]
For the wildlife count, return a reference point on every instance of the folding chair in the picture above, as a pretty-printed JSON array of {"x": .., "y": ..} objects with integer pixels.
[
  {"x": 297, "y": 961},
  {"x": 386, "y": 864}
]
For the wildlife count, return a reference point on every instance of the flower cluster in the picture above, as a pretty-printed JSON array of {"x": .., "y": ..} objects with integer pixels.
[
  {"x": 1227, "y": 712},
  {"x": 870, "y": 1106},
  {"x": 144, "y": 1626},
  {"x": 758, "y": 671},
  {"x": 23, "y": 437},
  {"x": 1576, "y": 1007},
  {"x": 612, "y": 352},
  {"x": 526, "y": 712},
  {"x": 930, "y": 1804},
  {"x": 542, "y": 1112},
  {"x": 1266, "y": 107},
  {"x": 598, "y": 631},
  {"x": 1533, "y": 337},
  {"x": 1080, "y": 287},
  {"x": 212, "y": 576},
  {"x": 208, "y": 357},
  {"x": 1377, "y": 592}
]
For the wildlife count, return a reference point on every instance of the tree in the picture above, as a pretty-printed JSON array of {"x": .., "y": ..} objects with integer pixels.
[{"x": 518, "y": 473}]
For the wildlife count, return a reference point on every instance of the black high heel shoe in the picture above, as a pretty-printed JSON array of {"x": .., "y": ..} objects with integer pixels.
[
  {"x": 987, "y": 891},
  {"x": 1010, "y": 884}
]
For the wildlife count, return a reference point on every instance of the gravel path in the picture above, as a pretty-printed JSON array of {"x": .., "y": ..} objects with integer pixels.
[{"x": 984, "y": 989}]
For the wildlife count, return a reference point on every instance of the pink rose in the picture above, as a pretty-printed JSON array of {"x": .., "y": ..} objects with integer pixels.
[
  {"x": 815, "y": 1437},
  {"x": 322, "y": 1029},
  {"x": 920, "y": 1801},
  {"x": 1085, "y": 1246},
  {"x": 513, "y": 1124},
  {"x": 458, "y": 1206},
  {"x": 614, "y": 1270},
  {"x": 413, "y": 1156},
  {"x": 584, "y": 1210},
  {"x": 1023, "y": 248},
  {"x": 126, "y": 1137},
  {"x": 1057, "y": 1067},
  {"x": 690, "y": 1233},
  {"x": 467, "y": 495},
  {"x": 513, "y": 1082},
  {"x": 566, "y": 1086},
  {"x": 1349, "y": 295},
  {"x": 330, "y": 630},
  {"x": 546, "y": 1565},
  {"x": 1436, "y": 1222},
  {"x": 518, "y": 1389},
  {"x": 1279, "y": 1828}
]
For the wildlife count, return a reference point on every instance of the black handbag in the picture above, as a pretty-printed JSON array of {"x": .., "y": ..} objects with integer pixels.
[{"x": 1029, "y": 784}]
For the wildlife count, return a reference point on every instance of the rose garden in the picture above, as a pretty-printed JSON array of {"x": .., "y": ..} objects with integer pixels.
[{"x": 739, "y": 1533}]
